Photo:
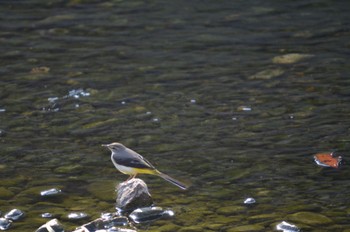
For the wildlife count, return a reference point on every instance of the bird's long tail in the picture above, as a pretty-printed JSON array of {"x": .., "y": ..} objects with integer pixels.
[{"x": 173, "y": 181}]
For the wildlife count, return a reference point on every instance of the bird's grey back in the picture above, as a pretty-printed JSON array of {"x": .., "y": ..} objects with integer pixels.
[{"x": 130, "y": 158}]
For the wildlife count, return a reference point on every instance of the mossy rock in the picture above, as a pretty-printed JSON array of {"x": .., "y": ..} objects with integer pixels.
[
  {"x": 191, "y": 229},
  {"x": 309, "y": 218},
  {"x": 16, "y": 181},
  {"x": 250, "y": 228},
  {"x": 267, "y": 74},
  {"x": 103, "y": 190},
  {"x": 169, "y": 228},
  {"x": 5, "y": 193},
  {"x": 290, "y": 58},
  {"x": 230, "y": 210},
  {"x": 69, "y": 169}
]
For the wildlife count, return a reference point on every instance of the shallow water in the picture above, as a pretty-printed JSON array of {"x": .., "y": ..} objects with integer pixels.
[{"x": 192, "y": 86}]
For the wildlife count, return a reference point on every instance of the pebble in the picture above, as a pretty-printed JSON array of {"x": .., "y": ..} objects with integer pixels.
[
  {"x": 4, "y": 223},
  {"x": 50, "y": 192},
  {"x": 14, "y": 215},
  {"x": 286, "y": 227},
  {"x": 40, "y": 70},
  {"x": 244, "y": 108},
  {"x": 52, "y": 99},
  {"x": 46, "y": 215},
  {"x": 249, "y": 201},
  {"x": 77, "y": 215},
  {"x": 148, "y": 214}
]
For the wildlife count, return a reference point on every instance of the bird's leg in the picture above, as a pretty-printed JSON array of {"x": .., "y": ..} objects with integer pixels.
[{"x": 131, "y": 177}]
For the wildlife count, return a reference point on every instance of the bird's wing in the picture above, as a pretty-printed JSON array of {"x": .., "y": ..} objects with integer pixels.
[{"x": 132, "y": 159}]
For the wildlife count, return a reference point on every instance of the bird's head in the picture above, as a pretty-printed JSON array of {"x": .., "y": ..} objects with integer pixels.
[{"x": 114, "y": 147}]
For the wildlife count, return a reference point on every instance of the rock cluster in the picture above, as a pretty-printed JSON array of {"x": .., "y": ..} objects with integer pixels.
[
  {"x": 9, "y": 217},
  {"x": 134, "y": 205}
]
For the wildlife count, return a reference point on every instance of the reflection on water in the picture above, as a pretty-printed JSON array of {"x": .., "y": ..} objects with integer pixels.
[{"x": 234, "y": 97}]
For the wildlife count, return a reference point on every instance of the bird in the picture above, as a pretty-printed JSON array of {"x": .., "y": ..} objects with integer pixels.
[{"x": 132, "y": 163}]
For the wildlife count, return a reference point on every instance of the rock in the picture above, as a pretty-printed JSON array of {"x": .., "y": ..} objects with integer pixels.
[
  {"x": 115, "y": 229},
  {"x": 286, "y": 227},
  {"x": 290, "y": 58},
  {"x": 102, "y": 190},
  {"x": 249, "y": 228},
  {"x": 230, "y": 210},
  {"x": 14, "y": 215},
  {"x": 267, "y": 74},
  {"x": 40, "y": 70},
  {"x": 133, "y": 194},
  {"x": 69, "y": 169},
  {"x": 244, "y": 108},
  {"x": 4, "y": 223},
  {"x": 194, "y": 228},
  {"x": 77, "y": 215},
  {"x": 249, "y": 201},
  {"x": 309, "y": 218},
  {"x": 51, "y": 226},
  {"x": 105, "y": 224},
  {"x": 46, "y": 215},
  {"x": 149, "y": 214},
  {"x": 5, "y": 193},
  {"x": 50, "y": 192}
]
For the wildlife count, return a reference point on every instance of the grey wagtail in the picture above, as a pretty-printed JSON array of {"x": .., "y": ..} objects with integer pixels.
[{"x": 131, "y": 163}]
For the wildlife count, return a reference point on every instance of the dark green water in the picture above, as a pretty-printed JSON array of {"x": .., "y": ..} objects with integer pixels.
[{"x": 182, "y": 83}]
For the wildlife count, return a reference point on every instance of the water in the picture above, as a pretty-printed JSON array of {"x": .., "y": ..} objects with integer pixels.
[{"x": 178, "y": 82}]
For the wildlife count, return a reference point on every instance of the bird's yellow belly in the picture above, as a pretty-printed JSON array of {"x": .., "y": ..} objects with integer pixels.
[{"x": 134, "y": 171}]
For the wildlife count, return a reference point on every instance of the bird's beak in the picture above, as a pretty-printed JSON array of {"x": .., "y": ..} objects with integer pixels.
[{"x": 104, "y": 145}]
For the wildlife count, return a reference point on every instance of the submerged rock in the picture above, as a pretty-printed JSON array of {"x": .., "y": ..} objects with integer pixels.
[
  {"x": 51, "y": 226},
  {"x": 249, "y": 228},
  {"x": 14, "y": 214},
  {"x": 113, "y": 229},
  {"x": 267, "y": 74},
  {"x": 105, "y": 223},
  {"x": 310, "y": 218},
  {"x": 4, "y": 223},
  {"x": 290, "y": 58},
  {"x": 148, "y": 214},
  {"x": 133, "y": 194},
  {"x": 40, "y": 70},
  {"x": 5, "y": 193}
]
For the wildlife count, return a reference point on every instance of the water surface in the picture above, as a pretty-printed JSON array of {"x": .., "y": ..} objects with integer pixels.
[{"x": 181, "y": 83}]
